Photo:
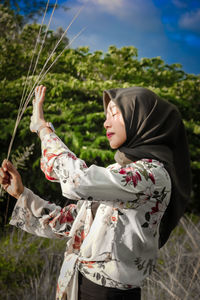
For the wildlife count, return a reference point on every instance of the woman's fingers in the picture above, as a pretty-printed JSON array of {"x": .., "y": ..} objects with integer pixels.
[
  {"x": 40, "y": 93},
  {"x": 11, "y": 169},
  {"x": 11, "y": 179},
  {"x": 37, "y": 117},
  {"x": 4, "y": 174},
  {"x": 4, "y": 177},
  {"x": 43, "y": 91}
]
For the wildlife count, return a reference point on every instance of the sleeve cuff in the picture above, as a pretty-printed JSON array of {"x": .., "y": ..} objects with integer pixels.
[{"x": 31, "y": 201}]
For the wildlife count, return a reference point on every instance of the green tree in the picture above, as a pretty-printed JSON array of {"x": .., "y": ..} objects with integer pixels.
[
  {"x": 74, "y": 102},
  {"x": 30, "y": 10}
]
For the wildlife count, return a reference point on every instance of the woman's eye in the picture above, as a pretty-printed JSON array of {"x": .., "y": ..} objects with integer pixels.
[{"x": 114, "y": 114}]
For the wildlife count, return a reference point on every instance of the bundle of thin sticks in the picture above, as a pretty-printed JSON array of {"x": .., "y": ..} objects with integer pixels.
[{"x": 27, "y": 96}]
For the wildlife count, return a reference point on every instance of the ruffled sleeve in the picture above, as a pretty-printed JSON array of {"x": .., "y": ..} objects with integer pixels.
[{"x": 37, "y": 216}]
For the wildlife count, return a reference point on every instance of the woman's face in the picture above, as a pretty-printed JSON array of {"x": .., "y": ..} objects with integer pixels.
[{"x": 114, "y": 125}]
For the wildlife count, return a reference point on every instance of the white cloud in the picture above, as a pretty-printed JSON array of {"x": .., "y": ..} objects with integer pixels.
[
  {"x": 131, "y": 22},
  {"x": 136, "y": 22},
  {"x": 142, "y": 14},
  {"x": 191, "y": 21},
  {"x": 105, "y": 5}
]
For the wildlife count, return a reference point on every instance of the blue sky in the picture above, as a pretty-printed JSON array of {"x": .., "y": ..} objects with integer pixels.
[{"x": 166, "y": 28}]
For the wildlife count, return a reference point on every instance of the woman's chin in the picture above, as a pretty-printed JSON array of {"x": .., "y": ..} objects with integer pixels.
[{"x": 113, "y": 146}]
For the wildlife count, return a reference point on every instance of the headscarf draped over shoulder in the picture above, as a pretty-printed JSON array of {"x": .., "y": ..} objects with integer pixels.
[{"x": 155, "y": 130}]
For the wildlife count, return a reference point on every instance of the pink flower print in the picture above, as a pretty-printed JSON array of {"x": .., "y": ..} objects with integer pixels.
[
  {"x": 69, "y": 154},
  {"x": 152, "y": 178},
  {"x": 84, "y": 165},
  {"x": 88, "y": 264},
  {"x": 129, "y": 169},
  {"x": 128, "y": 179},
  {"x": 66, "y": 217},
  {"x": 44, "y": 151},
  {"x": 149, "y": 160},
  {"x": 78, "y": 240},
  {"x": 135, "y": 178},
  {"x": 155, "y": 209},
  {"x": 49, "y": 155},
  {"x": 138, "y": 176},
  {"x": 122, "y": 171},
  {"x": 55, "y": 139},
  {"x": 131, "y": 176},
  {"x": 49, "y": 169},
  {"x": 49, "y": 177}
]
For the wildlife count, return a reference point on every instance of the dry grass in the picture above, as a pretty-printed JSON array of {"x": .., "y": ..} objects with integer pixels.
[
  {"x": 178, "y": 271},
  {"x": 29, "y": 266},
  {"x": 32, "y": 265}
]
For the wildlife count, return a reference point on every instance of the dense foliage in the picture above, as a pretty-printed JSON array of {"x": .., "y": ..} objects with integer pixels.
[
  {"x": 30, "y": 10},
  {"x": 74, "y": 99}
]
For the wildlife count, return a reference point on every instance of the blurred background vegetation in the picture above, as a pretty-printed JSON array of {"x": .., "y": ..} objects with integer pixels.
[{"x": 74, "y": 105}]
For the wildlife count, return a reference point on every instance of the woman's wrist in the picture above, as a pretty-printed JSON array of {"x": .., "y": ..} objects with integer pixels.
[
  {"x": 19, "y": 193},
  {"x": 37, "y": 124},
  {"x": 45, "y": 130}
]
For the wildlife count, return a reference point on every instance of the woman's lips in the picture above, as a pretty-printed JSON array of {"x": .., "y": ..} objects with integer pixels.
[{"x": 109, "y": 134}]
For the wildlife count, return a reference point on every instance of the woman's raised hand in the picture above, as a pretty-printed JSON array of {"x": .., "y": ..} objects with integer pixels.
[
  {"x": 37, "y": 118},
  {"x": 10, "y": 179}
]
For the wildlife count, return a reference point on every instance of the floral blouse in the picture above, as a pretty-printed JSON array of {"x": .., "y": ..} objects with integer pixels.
[{"x": 118, "y": 248}]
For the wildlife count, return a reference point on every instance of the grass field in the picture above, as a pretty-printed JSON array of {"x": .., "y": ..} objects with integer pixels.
[{"x": 29, "y": 266}]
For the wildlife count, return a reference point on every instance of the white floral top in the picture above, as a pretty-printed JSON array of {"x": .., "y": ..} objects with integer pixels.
[{"x": 118, "y": 248}]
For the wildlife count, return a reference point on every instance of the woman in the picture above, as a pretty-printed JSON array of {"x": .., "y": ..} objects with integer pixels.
[{"x": 125, "y": 212}]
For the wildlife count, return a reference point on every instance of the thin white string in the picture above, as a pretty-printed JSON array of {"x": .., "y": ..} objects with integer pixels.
[
  {"x": 44, "y": 74},
  {"x": 37, "y": 59},
  {"x": 25, "y": 85},
  {"x": 41, "y": 77},
  {"x": 57, "y": 44},
  {"x": 53, "y": 51},
  {"x": 24, "y": 94},
  {"x": 34, "y": 51},
  {"x": 43, "y": 42}
]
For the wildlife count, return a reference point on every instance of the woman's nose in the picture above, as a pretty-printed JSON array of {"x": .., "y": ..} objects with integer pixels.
[{"x": 106, "y": 124}]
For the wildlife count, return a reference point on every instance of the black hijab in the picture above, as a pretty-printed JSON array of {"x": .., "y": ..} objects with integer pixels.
[{"x": 154, "y": 129}]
